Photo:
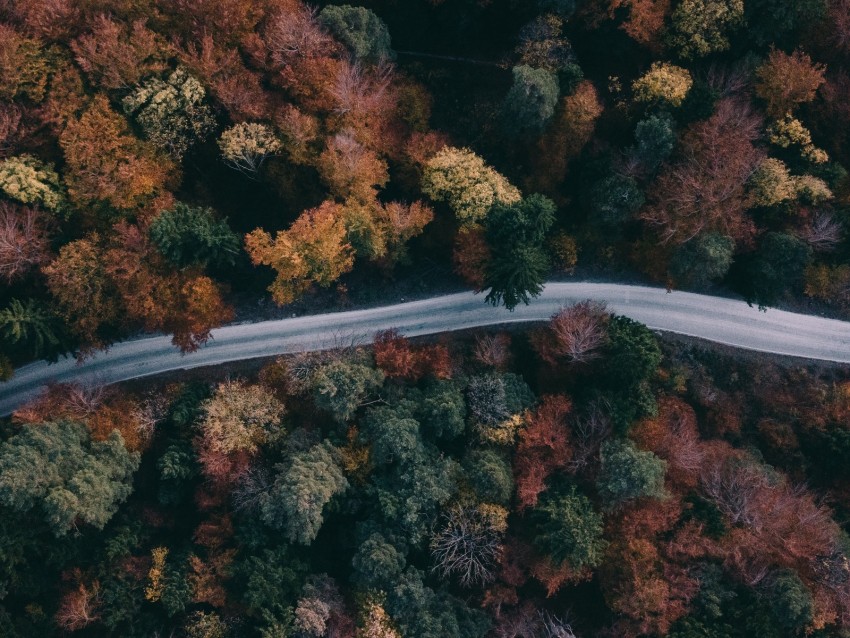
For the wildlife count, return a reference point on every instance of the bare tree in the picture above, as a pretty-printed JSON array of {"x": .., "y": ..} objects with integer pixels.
[
  {"x": 23, "y": 241},
  {"x": 575, "y": 334},
  {"x": 493, "y": 349},
  {"x": 296, "y": 33},
  {"x": 590, "y": 429},
  {"x": 824, "y": 232},
  {"x": 468, "y": 546}
]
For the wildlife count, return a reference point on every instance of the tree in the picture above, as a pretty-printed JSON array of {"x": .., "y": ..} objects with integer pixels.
[
  {"x": 192, "y": 236},
  {"x": 626, "y": 473},
  {"x": 86, "y": 299},
  {"x": 116, "y": 55},
  {"x": 645, "y": 21},
  {"x": 24, "y": 67},
  {"x": 340, "y": 387},
  {"x": 470, "y": 187},
  {"x": 57, "y": 472},
  {"x": 655, "y": 136},
  {"x": 301, "y": 491},
  {"x": 784, "y": 81},
  {"x": 104, "y": 162},
  {"x": 789, "y": 132},
  {"x": 360, "y": 30},
  {"x": 531, "y": 101},
  {"x": 246, "y": 145},
  {"x": 490, "y": 475},
  {"x": 771, "y": 183},
  {"x": 468, "y": 545},
  {"x": 663, "y": 84},
  {"x": 574, "y": 334},
  {"x": 33, "y": 329},
  {"x": 171, "y": 112},
  {"x": 377, "y": 563},
  {"x": 376, "y": 623},
  {"x": 790, "y": 600},
  {"x": 314, "y": 250},
  {"x": 542, "y": 45},
  {"x": 28, "y": 180},
  {"x": 615, "y": 199},
  {"x": 23, "y": 241},
  {"x": 704, "y": 190},
  {"x": 79, "y": 607},
  {"x": 471, "y": 256},
  {"x": 544, "y": 448},
  {"x": 240, "y": 417},
  {"x": 778, "y": 265},
  {"x": 701, "y": 27},
  {"x": 702, "y": 260},
  {"x": 568, "y": 529},
  {"x": 515, "y": 234},
  {"x": 350, "y": 169},
  {"x": 442, "y": 410}
]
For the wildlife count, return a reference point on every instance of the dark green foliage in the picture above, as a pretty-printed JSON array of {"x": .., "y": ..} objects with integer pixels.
[
  {"x": 377, "y": 563},
  {"x": 655, "y": 137},
  {"x": 615, "y": 199},
  {"x": 32, "y": 329},
  {"x": 176, "y": 588},
  {"x": 421, "y": 612},
  {"x": 702, "y": 260},
  {"x": 790, "y": 600},
  {"x": 56, "y": 470},
  {"x": 531, "y": 102},
  {"x": 393, "y": 434},
  {"x": 270, "y": 581},
  {"x": 568, "y": 529},
  {"x": 359, "y": 29},
  {"x": 177, "y": 469},
  {"x": 340, "y": 387},
  {"x": 442, "y": 410},
  {"x": 626, "y": 473},
  {"x": 777, "y": 267},
  {"x": 490, "y": 474},
  {"x": 564, "y": 8},
  {"x": 771, "y": 21},
  {"x": 191, "y": 235},
  {"x": 305, "y": 484},
  {"x": 519, "y": 264}
]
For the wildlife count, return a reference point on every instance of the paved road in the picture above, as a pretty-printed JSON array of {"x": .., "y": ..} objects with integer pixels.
[{"x": 726, "y": 321}]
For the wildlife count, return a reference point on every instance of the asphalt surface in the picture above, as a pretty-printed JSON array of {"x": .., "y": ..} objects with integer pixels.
[{"x": 727, "y": 321}]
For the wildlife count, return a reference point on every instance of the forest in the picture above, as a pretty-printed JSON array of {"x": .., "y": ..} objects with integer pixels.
[{"x": 171, "y": 166}]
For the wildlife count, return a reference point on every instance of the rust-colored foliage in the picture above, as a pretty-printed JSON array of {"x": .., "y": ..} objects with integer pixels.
[
  {"x": 400, "y": 359},
  {"x": 79, "y": 606},
  {"x": 574, "y": 335},
  {"x": 62, "y": 401},
  {"x": 544, "y": 448},
  {"x": 704, "y": 190},
  {"x": 471, "y": 256},
  {"x": 784, "y": 81},
  {"x": 23, "y": 241},
  {"x": 120, "y": 414},
  {"x": 645, "y": 23}
]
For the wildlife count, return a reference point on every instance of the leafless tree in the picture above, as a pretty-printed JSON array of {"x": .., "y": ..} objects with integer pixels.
[
  {"x": 356, "y": 90},
  {"x": 824, "y": 232},
  {"x": 575, "y": 334},
  {"x": 23, "y": 241},
  {"x": 467, "y": 546},
  {"x": 251, "y": 487},
  {"x": 590, "y": 429},
  {"x": 553, "y": 627},
  {"x": 296, "y": 33},
  {"x": 493, "y": 349}
]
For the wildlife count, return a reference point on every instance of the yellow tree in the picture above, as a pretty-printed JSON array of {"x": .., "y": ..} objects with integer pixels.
[{"x": 315, "y": 250}]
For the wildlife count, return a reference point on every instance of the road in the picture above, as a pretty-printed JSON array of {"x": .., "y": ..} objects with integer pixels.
[{"x": 727, "y": 321}]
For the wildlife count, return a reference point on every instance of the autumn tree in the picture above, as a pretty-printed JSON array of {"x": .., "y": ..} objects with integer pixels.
[
  {"x": 303, "y": 488},
  {"x": 542, "y": 44},
  {"x": 56, "y": 471},
  {"x": 784, "y": 81},
  {"x": 515, "y": 234},
  {"x": 104, "y": 162},
  {"x": 240, "y": 417},
  {"x": 466, "y": 183},
  {"x": 705, "y": 189},
  {"x": 190, "y": 235},
  {"x": 663, "y": 84},
  {"x": 471, "y": 256},
  {"x": 645, "y": 21},
  {"x": 28, "y": 180},
  {"x": 398, "y": 222},
  {"x": 701, "y": 27},
  {"x": 24, "y": 67},
  {"x": 79, "y": 606},
  {"x": 351, "y": 170},
  {"x": 246, "y": 145},
  {"x": 531, "y": 100},
  {"x": 172, "y": 113},
  {"x": 362, "y": 32},
  {"x": 116, "y": 55},
  {"x": 23, "y": 241},
  {"x": 575, "y": 334},
  {"x": 314, "y": 250}
]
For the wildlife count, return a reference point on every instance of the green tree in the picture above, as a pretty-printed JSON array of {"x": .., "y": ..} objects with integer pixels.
[
  {"x": 491, "y": 476},
  {"x": 377, "y": 563},
  {"x": 31, "y": 328},
  {"x": 770, "y": 21},
  {"x": 702, "y": 260},
  {"x": 304, "y": 486},
  {"x": 655, "y": 136},
  {"x": 172, "y": 112},
  {"x": 393, "y": 435},
  {"x": 192, "y": 236},
  {"x": 790, "y": 600},
  {"x": 360, "y": 30},
  {"x": 615, "y": 198},
  {"x": 701, "y": 27},
  {"x": 778, "y": 265},
  {"x": 627, "y": 473},
  {"x": 58, "y": 472},
  {"x": 515, "y": 233},
  {"x": 340, "y": 387},
  {"x": 531, "y": 101},
  {"x": 442, "y": 410},
  {"x": 568, "y": 529}
]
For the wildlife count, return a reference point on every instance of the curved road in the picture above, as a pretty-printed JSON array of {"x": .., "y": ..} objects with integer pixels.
[{"x": 728, "y": 321}]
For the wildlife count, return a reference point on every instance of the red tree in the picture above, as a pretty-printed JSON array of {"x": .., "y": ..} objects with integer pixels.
[{"x": 23, "y": 241}]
